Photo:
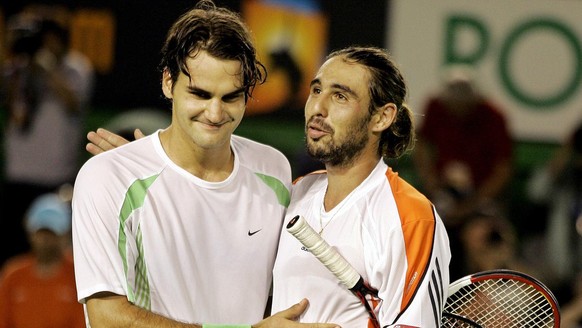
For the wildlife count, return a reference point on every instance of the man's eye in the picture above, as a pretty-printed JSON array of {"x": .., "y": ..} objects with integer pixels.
[
  {"x": 233, "y": 98},
  {"x": 200, "y": 95}
]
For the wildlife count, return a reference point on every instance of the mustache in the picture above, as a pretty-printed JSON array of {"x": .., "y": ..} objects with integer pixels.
[{"x": 318, "y": 123}]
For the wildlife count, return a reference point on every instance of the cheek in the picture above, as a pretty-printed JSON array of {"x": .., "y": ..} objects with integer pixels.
[
  {"x": 236, "y": 109},
  {"x": 239, "y": 114},
  {"x": 184, "y": 108},
  {"x": 344, "y": 122},
  {"x": 181, "y": 105}
]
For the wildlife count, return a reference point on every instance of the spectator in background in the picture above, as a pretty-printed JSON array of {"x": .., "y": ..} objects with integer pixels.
[
  {"x": 559, "y": 185},
  {"x": 38, "y": 289},
  {"x": 571, "y": 311},
  {"x": 464, "y": 150},
  {"x": 488, "y": 241},
  {"x": 47, "y": 88}
]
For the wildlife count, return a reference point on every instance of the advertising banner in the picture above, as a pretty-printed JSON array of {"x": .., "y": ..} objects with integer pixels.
[{"x": 527, "y": 56}]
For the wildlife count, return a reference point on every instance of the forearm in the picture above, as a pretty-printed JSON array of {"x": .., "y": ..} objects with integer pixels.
[{"x": 114, "y": 311}]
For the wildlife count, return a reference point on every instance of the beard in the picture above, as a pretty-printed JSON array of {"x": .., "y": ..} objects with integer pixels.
[{"x": 340, "y": 151}]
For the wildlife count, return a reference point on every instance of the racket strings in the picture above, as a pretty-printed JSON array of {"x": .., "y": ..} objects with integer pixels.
[{"x": 500, "y": 303}]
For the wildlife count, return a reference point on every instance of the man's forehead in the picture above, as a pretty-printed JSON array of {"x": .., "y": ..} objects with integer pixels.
[
  {"x": 338, "y": 71},
  {"x": 204, "y": 62},
  {"x": 197, "y": 79},
  {"x": 204, "y": 71}
]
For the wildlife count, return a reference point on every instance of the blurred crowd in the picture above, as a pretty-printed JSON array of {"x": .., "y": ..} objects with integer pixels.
[
  {"x": 46, "y": 88},
  {"x": 465, "y": 161},
  {"x": 37, "y": 287}
]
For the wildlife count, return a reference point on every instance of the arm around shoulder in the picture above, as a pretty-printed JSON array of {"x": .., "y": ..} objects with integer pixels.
[{"x": 112, "y": 310}]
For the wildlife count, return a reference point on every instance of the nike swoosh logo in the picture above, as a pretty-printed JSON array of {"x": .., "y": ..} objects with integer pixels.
[{"x": 254, "y": 232}]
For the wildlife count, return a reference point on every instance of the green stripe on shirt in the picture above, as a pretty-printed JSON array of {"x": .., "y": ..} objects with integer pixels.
[
  {"x": 134, "y": 199},
  {"x": 278, "y": 187}
]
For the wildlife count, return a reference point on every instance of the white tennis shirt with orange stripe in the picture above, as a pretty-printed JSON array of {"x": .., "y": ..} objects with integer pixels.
[
  {"x": 389, "y": 232},
  {"x": 189, "y": 249}
]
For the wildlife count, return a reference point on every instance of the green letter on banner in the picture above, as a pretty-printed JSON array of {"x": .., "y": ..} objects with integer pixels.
[
  {"x": 505, "y": 63},
  {"x": 454, "y": 27}
]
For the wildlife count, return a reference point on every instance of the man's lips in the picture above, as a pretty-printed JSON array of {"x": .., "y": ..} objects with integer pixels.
[
  {"x": 315, "y": 131},
  {"x": 211, "y": 125}
]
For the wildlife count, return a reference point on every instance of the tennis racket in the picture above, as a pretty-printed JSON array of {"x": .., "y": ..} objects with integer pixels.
[
  {"x": 500, "y": 298},
  {"x": 335, "y": 263}
]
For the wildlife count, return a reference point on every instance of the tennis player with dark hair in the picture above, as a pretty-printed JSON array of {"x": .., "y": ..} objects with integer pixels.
[
  {"x": 180, "y": 228},
  {"x": 389, "y": 232}
]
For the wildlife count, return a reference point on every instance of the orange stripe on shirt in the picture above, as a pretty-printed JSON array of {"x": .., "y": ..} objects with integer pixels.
[
  {"x": 314, "y": 172},
  {"x": 418, "y": 225}
]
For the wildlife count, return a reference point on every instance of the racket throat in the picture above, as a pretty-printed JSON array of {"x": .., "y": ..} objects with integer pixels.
[{"x": 361, "y": 289}]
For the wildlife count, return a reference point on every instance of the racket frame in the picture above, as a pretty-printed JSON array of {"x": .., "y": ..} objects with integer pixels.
[{"x": 505, "y": 274}]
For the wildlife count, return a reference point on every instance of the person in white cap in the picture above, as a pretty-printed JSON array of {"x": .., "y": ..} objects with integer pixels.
[{"x": 37, "y": 289}]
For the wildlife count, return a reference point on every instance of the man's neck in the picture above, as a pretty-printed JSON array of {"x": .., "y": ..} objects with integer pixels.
[
  {"x": 48, "y": 266},
  {"x": 342, "y": 180},
  {"x": 213, "y": 165}
]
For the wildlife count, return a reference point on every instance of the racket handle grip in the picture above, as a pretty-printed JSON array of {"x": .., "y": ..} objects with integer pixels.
[{"x": 326, "y": 254}]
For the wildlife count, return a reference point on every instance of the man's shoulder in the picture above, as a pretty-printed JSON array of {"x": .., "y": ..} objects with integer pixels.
[
  {"x": 243, "y": 142},
  {"x": 134, "y": 156},
  {"x": 310, "y": 182},
  {"x": 139, "y": 148},
  {"x": 16, "y": 265},
  {"x": 254, "y": 151},
  {"x": 261, "y": 158},
  {"x": 403, "y": 189}
]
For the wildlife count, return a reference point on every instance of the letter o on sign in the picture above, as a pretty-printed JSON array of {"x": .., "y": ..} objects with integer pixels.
[{"x": 530, "y": 27}]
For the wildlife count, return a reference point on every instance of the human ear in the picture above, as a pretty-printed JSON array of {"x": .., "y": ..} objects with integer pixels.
[
  {"x": 167, "y": 84},
  {"x": 384, "y": 117}
]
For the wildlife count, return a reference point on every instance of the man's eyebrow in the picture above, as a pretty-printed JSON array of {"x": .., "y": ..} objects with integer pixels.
[
  {"x": 236, "y": 92},
  {"x": 198, "y": 91},
  {"x": 314, "y": 81},
  {"x": 341, "y": 87},
  {"x": 345, "y": 88},
  {"x": 202, "y": 92}
]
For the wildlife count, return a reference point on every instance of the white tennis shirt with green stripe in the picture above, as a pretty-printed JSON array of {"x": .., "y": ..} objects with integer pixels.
[{"x": 189, "y": 249}]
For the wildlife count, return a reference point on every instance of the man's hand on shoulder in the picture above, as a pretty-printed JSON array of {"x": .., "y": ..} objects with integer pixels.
[{"x": 103, "y": 140}]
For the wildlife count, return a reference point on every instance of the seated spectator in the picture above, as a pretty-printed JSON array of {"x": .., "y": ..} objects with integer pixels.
[
  {"x": 464, "y": 151},
  {"x": 558, "y": 184},
  {"x": 37, "y": 289},
  {"x": 571, "y": 311},
  {"x": 47, "y": 87},
  {"x": 488, "y": 242}
]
